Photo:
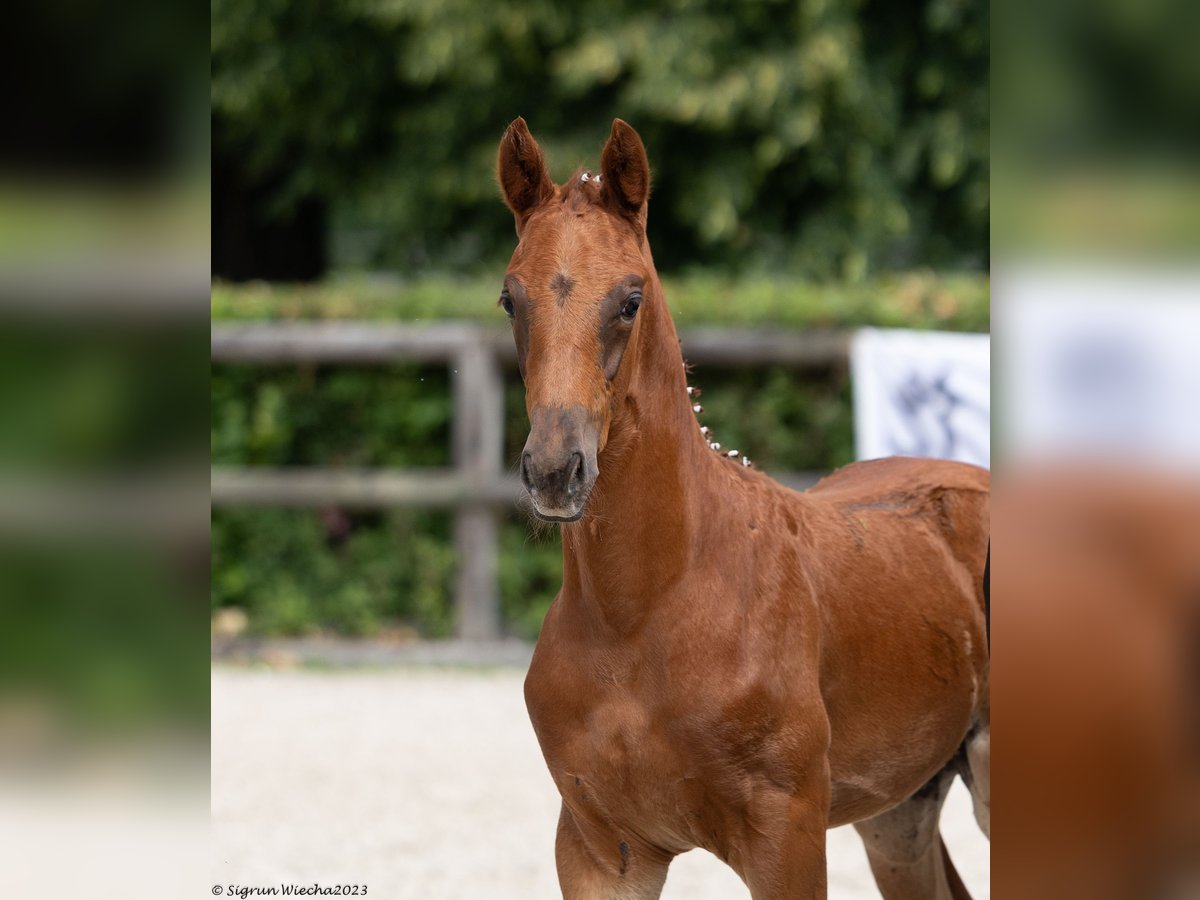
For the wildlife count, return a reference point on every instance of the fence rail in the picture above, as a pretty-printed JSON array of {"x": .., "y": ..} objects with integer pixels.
[
  {"x": 367, "y": 343},
  {"x": 380, "y": 488},
  {"x": 477, "y": 488}
]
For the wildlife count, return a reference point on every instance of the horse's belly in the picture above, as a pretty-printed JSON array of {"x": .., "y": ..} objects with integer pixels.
[
  {"x": 900, "y": 703},
  {"x": 871, "y": 773}
]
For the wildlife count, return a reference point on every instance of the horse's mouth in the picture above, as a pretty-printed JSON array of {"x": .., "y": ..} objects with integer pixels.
[
  {"x": 560, "y": 514},
  {"x": 547, "y": 517}
]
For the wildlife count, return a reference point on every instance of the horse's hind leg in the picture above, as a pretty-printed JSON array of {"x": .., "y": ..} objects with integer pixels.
[
  {"x": 978, "y": 777},
  {"x": 907, "y": 856},
  {"x": 975, "y": 766}
]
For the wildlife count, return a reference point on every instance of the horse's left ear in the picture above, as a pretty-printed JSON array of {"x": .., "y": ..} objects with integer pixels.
[{"x": 626, "y": 171}]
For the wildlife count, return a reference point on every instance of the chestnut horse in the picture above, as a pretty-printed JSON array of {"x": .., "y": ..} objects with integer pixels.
[{"x": 730, "y": 664}]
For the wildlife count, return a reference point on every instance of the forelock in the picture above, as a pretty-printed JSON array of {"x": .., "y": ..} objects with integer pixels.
[{"x": 581, "y": 191}]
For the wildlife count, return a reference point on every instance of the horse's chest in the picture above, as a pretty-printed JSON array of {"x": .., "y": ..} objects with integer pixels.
[
  {"x": 621, "y": 757},
  {"x": 609, "y": 735}
]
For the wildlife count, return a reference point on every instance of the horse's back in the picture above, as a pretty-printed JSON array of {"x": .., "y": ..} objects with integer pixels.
[
  {"x": 950, "y": 498},
  {"x": 895, "y": 477}
]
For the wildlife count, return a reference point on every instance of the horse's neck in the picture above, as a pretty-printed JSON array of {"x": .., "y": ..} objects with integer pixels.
[{"x": 658, "y": 480}]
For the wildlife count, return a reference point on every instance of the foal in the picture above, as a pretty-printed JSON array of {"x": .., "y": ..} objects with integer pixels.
[{"x": 729, "y": 664}]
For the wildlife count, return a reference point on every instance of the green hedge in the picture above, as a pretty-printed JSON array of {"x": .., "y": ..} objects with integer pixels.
[
  {"x": 356, "y": 573},
  {"x": 921, "y": 299}
]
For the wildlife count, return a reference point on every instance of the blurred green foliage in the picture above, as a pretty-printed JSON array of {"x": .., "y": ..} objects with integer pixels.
[
  {"x": 359, "y": 572},
  {"x": 834, "y": 138},
  {"x": 98, "y": 629},
  {"x": 91, "y": 409}
]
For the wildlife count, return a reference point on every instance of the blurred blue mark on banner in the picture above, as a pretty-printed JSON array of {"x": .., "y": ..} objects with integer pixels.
[
  {"x": 922, "y": 393},
  {"x": 1105, "y": 363}
]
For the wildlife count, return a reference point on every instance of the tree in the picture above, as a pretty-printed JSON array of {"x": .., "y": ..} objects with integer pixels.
[{"x": 827, "y": 138}]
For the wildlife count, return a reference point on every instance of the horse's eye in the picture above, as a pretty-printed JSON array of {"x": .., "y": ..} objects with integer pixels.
[
  {"x": 506, "y": 303},
  {"x": 629, "y": 310}
]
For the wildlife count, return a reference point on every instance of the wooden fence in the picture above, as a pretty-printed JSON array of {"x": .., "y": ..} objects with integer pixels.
[{"x": 477, "y": 488}]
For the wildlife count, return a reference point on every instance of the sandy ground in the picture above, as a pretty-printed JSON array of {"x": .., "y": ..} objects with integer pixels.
[{"x": 427, "y": 783}]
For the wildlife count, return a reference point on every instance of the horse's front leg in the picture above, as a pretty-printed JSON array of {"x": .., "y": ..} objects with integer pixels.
[
  {"x": 595, "y": 864},
  {"x": 783, "y": 846}
]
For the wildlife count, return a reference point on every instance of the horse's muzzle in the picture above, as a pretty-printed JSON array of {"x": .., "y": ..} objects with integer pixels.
[{"x": 558, "y": 465}]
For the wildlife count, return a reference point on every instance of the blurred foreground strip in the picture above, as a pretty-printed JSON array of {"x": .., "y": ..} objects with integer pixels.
[
  {"x": 103, "y": 558},
  {"x": 1096, "y": 621},
  {"x": 157, "y": 510},
  {"x": 137, "y": 253}
]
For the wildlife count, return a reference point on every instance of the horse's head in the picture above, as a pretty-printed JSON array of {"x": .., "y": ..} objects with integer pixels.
[{"x": 573, "y": 290}]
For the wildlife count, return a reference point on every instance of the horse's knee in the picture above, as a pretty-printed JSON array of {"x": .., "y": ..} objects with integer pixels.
[
  {"x": 587, "y": 872},
  {"x": 780, "y": 850}
]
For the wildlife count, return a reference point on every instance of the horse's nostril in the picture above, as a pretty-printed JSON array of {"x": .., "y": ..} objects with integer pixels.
[
  {"x": 525, "y": 480},
  {"x": 576, "y": 478}
]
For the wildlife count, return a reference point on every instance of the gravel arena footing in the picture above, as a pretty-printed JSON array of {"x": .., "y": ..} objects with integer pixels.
[{"x": 427, "y": 783}]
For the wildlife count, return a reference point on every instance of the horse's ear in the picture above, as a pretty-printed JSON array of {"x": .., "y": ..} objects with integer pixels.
[
  {"x": 521, "y": 170},
  {"x": 626, "y": 171}
]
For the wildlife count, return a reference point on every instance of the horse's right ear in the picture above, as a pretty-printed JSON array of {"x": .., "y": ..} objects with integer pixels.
[{"x": 521, "y": 170}]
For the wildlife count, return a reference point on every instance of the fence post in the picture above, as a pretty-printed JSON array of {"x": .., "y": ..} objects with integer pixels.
[{"x": 479, "y": 453}]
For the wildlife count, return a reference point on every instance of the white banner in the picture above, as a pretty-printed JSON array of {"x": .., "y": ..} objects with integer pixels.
[{"x": 922, "y": 393}]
